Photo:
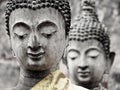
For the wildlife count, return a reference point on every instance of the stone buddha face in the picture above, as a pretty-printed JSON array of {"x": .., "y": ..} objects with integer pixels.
[
  {"x": 86, "y": 62},
  {"x": 37, "y": 37}
]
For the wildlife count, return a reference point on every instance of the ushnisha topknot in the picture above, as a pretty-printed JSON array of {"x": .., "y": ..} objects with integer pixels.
[
  {"x": 87, "y": 26},
  {"x": 61, "y": 5}
]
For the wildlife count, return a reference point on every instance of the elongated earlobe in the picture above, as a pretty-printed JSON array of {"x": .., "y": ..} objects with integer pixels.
[
  {"x": 64, "y": 57},
  {"x": 112, "y": 56},
  {"x": 110, "y": 62},
  {"x": 13, "y": 53}
]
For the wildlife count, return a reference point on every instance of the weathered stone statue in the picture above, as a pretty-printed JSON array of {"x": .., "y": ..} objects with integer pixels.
[
  {"x": 88, "y": 53},
  {"x": 38, "y": 30}
]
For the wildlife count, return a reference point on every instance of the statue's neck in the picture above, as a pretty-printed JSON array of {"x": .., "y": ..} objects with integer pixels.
[{"x": 28, "y": 79}]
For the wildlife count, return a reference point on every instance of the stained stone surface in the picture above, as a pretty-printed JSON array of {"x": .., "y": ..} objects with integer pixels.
[{"x": 109, "y": 14}]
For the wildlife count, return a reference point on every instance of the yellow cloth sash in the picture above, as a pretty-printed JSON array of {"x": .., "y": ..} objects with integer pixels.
[{"x": 54, "y": 81}]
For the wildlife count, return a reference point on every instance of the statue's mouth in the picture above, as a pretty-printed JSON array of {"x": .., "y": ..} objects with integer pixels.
[
  {"x": 36, "y": 56},
  {"x": 84, "y": 74}
]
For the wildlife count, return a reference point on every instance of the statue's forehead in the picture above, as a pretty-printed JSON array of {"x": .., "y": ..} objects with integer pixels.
[
  {"x": 85, "y": 44},
  {"x": 34, "y": 17}
]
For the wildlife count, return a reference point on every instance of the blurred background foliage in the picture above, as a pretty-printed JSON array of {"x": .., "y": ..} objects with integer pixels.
[{"x": 108, "y": 12}]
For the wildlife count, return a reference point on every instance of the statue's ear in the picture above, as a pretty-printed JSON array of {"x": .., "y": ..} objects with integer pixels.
[
  {"x": 11, "y": 46},
  {"x": 67, "y": 41},
  {"x": 64, "y": 57},
  {"x": 110, "y": 61},
  {"x": 111, "y": 57}
]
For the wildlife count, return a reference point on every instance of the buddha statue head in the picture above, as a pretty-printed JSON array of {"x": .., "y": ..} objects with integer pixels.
[
  {"x": 88, "y": 55},
  {"x": 38, "y": 30}
]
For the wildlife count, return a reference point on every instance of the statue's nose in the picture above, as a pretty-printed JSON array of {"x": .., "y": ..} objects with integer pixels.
[
  {"x": 34, "y": 43},
  {"x": 83, "y": 65}
]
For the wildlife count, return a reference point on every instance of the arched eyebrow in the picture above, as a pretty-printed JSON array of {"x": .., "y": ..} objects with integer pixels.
[
  {"x": 18, "y": 24},
  {"x": 73, "y": 50},
  {"x": 91, "y": 49},
  {"x": 46, "y": 23}
]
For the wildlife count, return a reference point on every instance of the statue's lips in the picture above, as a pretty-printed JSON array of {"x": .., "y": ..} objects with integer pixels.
[
  {"x": 83, "y": 74},
  {"x": 35, "y": 56}
]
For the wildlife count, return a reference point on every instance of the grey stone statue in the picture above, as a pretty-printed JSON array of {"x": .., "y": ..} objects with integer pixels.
[
  {"x": 88, "y": 55},
  {"x": 38, "y": 32}
]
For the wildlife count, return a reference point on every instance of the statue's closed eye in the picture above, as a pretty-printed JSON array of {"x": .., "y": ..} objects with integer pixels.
[
  {"x": 21, "y": 37},
  {"x": 93, "y": 53},
  {"x": 48, "y": 35},
  {"x": 73, "y": 54}
]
